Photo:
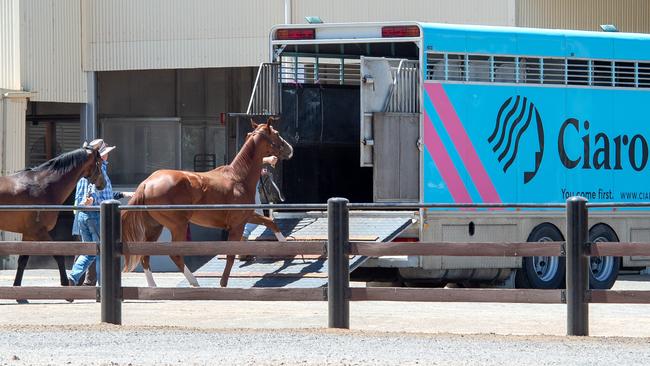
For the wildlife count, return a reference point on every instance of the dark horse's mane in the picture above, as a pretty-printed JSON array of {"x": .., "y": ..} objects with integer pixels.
[{"x": 63, "y": 163}]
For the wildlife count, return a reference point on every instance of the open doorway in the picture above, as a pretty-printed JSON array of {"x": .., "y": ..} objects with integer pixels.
[{"x": 322, "y": 124}]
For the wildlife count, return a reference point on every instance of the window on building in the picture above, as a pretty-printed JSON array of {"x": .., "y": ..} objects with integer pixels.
[{"x": 144, "y": 145}]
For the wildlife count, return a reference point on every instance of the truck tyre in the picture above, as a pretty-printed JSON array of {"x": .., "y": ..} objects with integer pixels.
[
  {"x": 544, "y": 272},
  {"x": 603, "y": 271}
]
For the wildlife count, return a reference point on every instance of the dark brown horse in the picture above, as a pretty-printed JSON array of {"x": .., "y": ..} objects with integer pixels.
[
  {"x": 47, "y": 184},
  {"x": 229, "y": 184}
]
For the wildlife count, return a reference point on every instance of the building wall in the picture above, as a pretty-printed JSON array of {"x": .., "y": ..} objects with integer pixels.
[
  {"x": 47, "y": 44},
  {"x": 9, "y": 45},
  {"x": 12, "y": 140},
  {"x": 12, "y": 133},
  {"x": 150, "y": 34},
  {"x": 493, "y": 12},
  {"x": 627, "y": 15},
  {"x": 50, "y": 50},
  {"x": 173, "y": 34}
]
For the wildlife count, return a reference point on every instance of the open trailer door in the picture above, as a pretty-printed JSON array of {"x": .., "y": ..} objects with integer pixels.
[{"x": 390, "y": 128}]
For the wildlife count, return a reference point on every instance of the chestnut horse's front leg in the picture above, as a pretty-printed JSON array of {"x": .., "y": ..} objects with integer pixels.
[{"x": 269, "y": 223}]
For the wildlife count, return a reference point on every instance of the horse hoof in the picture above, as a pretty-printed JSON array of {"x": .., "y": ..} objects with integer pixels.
[
  {"x": 69, "y": 300},
  {"x": 22, "y": 301}
]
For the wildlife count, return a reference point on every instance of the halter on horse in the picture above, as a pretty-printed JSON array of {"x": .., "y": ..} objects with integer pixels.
[
  {"x": 229, "y": 184},
  {"x": 47, "y": 184}
]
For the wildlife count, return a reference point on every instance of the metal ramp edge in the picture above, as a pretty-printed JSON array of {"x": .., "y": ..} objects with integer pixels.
[{"x": 300, "y": 272}]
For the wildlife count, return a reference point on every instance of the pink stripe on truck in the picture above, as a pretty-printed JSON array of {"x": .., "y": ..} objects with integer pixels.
[{"x": 463, "y": 144}]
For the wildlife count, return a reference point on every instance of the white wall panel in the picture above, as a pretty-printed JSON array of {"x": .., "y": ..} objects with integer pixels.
[
  {"x": 159, "y": 34},
  {"x": 169, "y": 34},
  {"x": 492, "y": 12},
  {"x": 12, "y": 150},
  {"x": 50, "y": 40},
  {"x": 9, "y": 45}
]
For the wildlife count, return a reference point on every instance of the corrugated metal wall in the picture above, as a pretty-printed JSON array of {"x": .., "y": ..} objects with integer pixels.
[
  {"x": 151, "y": 34},
  {"x": 12, "y": 140},
  {"x": 170, "y": 34},
  {"x": 9, "y": 41},
  {"x": 627, "y": 15},
  {"x": 13, "y": 135},
  {"x": 493, "y": 12},
  {"x": 50, "y": 49}
]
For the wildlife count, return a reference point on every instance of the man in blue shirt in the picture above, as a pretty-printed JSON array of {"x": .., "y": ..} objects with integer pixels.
[{"x": 86, "y": 223}]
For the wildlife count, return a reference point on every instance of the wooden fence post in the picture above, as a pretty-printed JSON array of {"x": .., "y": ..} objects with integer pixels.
[
  {"x": 338, "y": 269},
  {"x": 577, "y": 266},
  {"x": 110, "y": 254}
]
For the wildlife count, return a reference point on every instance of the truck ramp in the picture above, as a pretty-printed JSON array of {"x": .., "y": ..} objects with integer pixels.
[{"x": 302, "y": 271}]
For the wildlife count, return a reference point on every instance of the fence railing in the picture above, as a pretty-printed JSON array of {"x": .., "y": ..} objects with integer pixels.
[{"x": 338, "y": 248}]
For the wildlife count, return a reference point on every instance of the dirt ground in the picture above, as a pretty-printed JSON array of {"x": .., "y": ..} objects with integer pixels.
[
  {"x": 458, "y": 318},
  {"x": 295, "y": 333}
]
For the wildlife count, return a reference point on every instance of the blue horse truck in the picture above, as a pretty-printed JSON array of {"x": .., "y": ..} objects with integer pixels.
[{"x": 437, "y": 113}]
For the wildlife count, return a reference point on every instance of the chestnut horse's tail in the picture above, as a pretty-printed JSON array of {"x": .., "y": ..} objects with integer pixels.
[{"x": 134, "y": 228}]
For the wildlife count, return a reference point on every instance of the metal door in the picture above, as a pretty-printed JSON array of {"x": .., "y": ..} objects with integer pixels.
[{"x": 390, "y": 127}]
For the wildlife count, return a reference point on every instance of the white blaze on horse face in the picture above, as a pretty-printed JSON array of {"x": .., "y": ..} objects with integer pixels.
[
  {"x": 149, "y": 276},
  {"x": 190, "y": 277}
]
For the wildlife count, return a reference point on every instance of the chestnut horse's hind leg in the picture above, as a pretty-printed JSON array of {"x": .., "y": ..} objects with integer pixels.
[
  {"x": 151, "y": 234},
  {"x": 180, "y": 263},
  {"x": 179, "y": 233},
  {"x": 146, "y": 267}
]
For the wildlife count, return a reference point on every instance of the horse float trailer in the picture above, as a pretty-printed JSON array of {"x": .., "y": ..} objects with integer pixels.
[{"x": 436, "y": 113}]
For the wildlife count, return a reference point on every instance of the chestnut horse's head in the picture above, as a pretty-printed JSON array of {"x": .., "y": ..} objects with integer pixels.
[
  {"x": 274, "y": 143},
  {"x": 93, "y": 171}
]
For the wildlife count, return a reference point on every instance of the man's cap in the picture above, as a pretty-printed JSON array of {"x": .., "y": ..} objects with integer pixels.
[{"x": 101, "y": 146}]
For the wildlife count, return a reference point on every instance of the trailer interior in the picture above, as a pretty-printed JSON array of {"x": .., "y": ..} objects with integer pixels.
[{"x": 320, "y": 117}]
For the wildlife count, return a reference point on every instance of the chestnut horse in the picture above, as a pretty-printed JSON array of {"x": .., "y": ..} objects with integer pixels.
[
  {"x": 229, "y": 184},
  {"x": 47, "y": 184}
]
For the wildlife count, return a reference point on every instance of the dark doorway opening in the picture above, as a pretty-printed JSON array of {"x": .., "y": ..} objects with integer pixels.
[{"x": 322, "y": 124}]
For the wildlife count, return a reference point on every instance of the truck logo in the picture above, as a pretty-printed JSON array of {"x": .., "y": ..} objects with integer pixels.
[
  {"x": 509, "y": 128},
  {"x": 604, "y": 152}
]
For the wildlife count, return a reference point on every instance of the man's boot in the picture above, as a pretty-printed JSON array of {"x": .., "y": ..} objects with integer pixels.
[{"x": 91, "y": 276}]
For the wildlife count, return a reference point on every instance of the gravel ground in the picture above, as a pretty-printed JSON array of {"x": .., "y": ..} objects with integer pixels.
[
  {"x": 110, "y": 345},
  {"x": 291, "y": 333}
]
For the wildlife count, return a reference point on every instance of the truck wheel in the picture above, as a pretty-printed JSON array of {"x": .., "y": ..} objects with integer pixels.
[
  {"x": 544, "y": 272},
  {"x": 603, "y": 270}
]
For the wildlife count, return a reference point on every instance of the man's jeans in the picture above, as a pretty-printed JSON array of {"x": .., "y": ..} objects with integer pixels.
[{"x": 89, "y": 227}]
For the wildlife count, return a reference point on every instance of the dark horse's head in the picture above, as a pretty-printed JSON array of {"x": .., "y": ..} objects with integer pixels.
[
  {"x": 275, "y": 145},
  {"x": 85, "y": 160},
  {"x": 93, "y": 167}
]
